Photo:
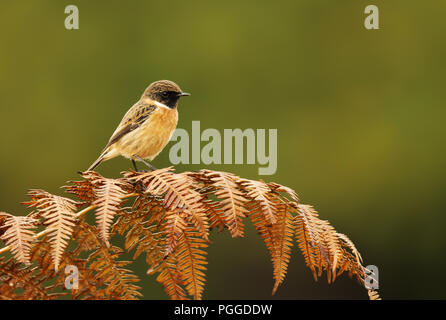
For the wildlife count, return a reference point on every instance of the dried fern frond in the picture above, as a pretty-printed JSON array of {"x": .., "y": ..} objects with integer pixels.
[
  {"x": 108, "y": 197},
  {"x": 259, "y": 191},
  {"x": 169, "y": 219},
  {"x": 232, "y": 204},
  {"x": 83, "y": 190},
  {"x": 283, "y": 189},
  {"x": 373, "y": 295},
  {"x": 19, "y": 235},
  {"x": 13, "y": 276},
  {"x": 283, "y": 233},
  {"x": 191, "y": 260},
  {"x": 325, "y": 249},
  {"x": 59, "y": 215},
  {"x": 178, "y": 193},
  {"x": 107, "y": 276},
  {"x": 216, "y": 215},
  {"x": 171, "y": 280}
]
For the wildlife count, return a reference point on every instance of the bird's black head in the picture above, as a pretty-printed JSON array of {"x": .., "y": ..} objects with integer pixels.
[{"x": 166, "y": 92}]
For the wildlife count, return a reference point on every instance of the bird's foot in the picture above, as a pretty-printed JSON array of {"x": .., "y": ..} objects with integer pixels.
[{"x": 152, "y": 168}]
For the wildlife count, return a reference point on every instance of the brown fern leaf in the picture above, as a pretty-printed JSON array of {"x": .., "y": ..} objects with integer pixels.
[
  {"x": 334, "y": 250},
  {"x": 84, "y": 190},
  {"x": 215, "y": 213},
  {"x": 107, "y": 270},
  {"x": 109, "y": 278},
  {"x": 19, "y": 235},
  {"x": 324, "y": 248},
  {"x": 178, "y": 193},
  {"x": 283, "y": 233},
  {"x": 350, "y": 260},
  {"x": 263, "y": 227},
  {"x": 307, "y": 246},
  {"x": 278, "y": 237},
  {"x": 171, "y": 281},
  {"x": 13, "y": 276},
  {"x": 174, "y": 228},
  {"x": 232, "y": 204},
  {"x": 109, "y": 195},
  {"x": 373, "y": 295},
  {"x": 59, "y": 216},
  {"x": 350, "y": 246},
  {"x": 145, "y": 231},
  {"x": 283, "y": 189},
  {"x": 309, "y": 234},
  {"x": 144, "y": 234},
  {"x": 259, "y": 191},
  {"x": 44, "y": 271},
  {"x": 191, "y": 261}
]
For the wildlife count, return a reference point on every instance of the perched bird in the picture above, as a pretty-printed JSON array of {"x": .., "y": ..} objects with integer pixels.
[{"x": 147, "y": 127}]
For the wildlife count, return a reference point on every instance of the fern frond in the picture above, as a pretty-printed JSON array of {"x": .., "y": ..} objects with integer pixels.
[
  {"x": 19, "y": 235},
  {"x": 170, "y": 279},
  {"x": 324, "y": 248},
  {"x": 13, "y": 276},
  {"x": 283, "y": 233},
  {"x": 232, "y": 201},
  {"x": 259, "y": 191},
  {"x": 191, "y": 261},
  {"x": 83, "y": 190},
  {"x": 290, "y": 192},
  {"x": 178, "y": 194},
  {"x": 373, "y": 295},
  {"x": 215, "y": 214},
  {"x": 169, "y": 221},
  {"x": 59, "y": 215},
  {"x": 109, "y": 195},
  {"x": 173, "y": 228},
  {"x": 110, "y": 279},
  {"x": 306, "y": 245}
]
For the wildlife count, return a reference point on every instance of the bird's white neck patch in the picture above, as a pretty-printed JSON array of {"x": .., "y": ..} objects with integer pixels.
[{"x": 161, "y": 105}]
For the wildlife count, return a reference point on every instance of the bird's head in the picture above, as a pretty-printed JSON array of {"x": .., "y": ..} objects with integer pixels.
[{"x": 165, "y": 92}]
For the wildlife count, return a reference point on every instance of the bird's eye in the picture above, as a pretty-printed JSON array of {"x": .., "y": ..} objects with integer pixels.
[{"x": 165, "y": 94}]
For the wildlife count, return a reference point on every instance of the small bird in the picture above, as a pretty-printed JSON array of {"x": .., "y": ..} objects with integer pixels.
[{"x": 147, "y": 127}]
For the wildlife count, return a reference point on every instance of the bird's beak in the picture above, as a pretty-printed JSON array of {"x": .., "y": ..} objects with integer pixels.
[{"x": 183, "y": 94}]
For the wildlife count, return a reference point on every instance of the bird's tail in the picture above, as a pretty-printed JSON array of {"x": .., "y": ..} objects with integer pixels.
[{"x": 98, "y": 160}]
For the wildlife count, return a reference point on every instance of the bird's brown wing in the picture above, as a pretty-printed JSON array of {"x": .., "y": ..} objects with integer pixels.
[{"x": 132, "y": 120}]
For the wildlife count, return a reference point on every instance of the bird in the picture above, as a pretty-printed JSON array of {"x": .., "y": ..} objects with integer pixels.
[{"x": 147, "y": 126}]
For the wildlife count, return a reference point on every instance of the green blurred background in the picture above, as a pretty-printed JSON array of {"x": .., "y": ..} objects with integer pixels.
[{"x": 360, "y": 117}]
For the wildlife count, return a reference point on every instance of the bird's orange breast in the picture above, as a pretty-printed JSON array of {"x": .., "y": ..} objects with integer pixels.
[{"x": 151, "y": 137}]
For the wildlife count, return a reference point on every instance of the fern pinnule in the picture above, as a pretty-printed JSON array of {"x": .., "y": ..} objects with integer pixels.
[
  {"x": 215, "y": 214},
  {"x": 324, "y": 248},
  {"x": 283, "y": 233},
  {"x": 191, "y": 260},
  {"x": 175, "y": 225},
  {"x": 19, "y": 235},
  {"x": 83, "y": 190},
  {"x": 59, "y": 215},
  {"x": 313, "y": 234},
  {"x": 347, "y": 242},
  {"x": 259, "y": 191},
  {"x": 109, "y": 195},
  {"x": 232, "y": 201},
  {"x": 373, "y": 295},
  {"x": 14, "y": 275},
  {"x": 111, "y": 280},
  {"x": 178, "y": 193},
  {"x": 283, "y": 189},
  {"x": 170, "y": 279}
]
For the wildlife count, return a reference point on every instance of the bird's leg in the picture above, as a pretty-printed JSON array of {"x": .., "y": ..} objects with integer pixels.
[
  {"x": 134, "y": 165},
  {"x": 145, "y": 162}
]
